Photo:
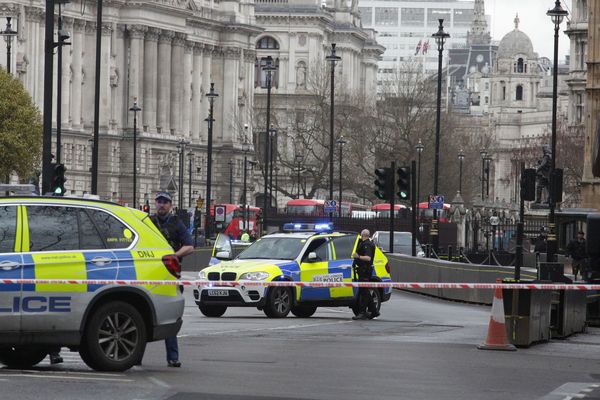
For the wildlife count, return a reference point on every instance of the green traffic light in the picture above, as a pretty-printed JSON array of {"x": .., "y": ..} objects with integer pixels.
[
  {"x": 403, "y": 195},
  {"x": 58, "y": 191}
]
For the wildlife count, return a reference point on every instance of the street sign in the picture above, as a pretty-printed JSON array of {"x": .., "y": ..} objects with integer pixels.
[
  {"x": 199, "y": 203},
  {"x": 219, "y": 213},
  {"x": 436, "y": 202},
  {"x": 330, "y": 206}
]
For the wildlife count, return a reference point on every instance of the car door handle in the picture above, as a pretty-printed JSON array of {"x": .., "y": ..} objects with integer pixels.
[
  {"x": 9, "y": 265},
  {"x": 101, "y": 261}
]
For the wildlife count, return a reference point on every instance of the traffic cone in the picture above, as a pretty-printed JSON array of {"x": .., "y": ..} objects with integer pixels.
[{"x": 497, "y": 338}]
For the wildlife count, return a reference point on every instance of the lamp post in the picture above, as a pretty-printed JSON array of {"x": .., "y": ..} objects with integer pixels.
[
  {"x": 276, "y": 169},
  {"x": 181, "y": 152},
  {"x": 245, "y": 149},
  {"x": 230, "y": 163},
  {"x": 332, "y": 58},
  {"x": 299, "y": 169},
  {"x": 440, "y": 37},
  {"x": 269, "y": 68},
  {"x": 272, "y": 136},
  {"x": 62, "y": 41},
  {"x": 557, "y": 14},
  {"x": 341, "y": 142},
  {"x": 461, "y": 158},
  {"x": 190, "y": 157},
  {"x": 8, "y": 34},
  {"x": 135, "y": 109},
  {"x": 419, "y": 147},
  {"x": 483, "y": 154},
  {"x": 488, "y": 161},
  {"x": 211, "y": 95}
]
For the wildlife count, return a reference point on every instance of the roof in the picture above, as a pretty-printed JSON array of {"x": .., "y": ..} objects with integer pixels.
[{"x": 515, "y": 42}]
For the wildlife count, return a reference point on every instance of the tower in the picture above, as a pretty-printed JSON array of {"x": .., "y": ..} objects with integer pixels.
[{"x": 479, "y": 33}]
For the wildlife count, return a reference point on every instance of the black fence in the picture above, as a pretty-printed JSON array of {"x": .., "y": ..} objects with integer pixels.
[{"x": 502, "y": 237}]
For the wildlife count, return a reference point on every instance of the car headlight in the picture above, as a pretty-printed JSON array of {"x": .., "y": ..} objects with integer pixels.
[
  {"x": 254, "y": 276},
  {"x": 202, "y": 275}
]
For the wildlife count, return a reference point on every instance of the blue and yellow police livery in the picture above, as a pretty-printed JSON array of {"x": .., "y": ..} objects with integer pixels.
[
  {"x": 296, "y": 256},
  {"x": 61, "y": 238}
]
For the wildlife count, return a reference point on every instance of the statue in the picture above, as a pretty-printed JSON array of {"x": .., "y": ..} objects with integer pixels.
[{"x": 543, "y": 175}]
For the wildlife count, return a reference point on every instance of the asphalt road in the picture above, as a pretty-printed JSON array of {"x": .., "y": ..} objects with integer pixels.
[{"x": 420, "y": 348}]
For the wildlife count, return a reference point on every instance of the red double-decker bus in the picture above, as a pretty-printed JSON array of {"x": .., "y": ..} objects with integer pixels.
[
  {"x": 315, "y": 207},
  {"x": 383, "y": 209},
  {"x": 426, "y": 213},
  {"x": 234, "y": 219}
]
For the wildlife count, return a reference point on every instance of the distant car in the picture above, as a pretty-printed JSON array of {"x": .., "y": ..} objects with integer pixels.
[
  {"x": 402, "y": 243},
  {"x": 296, "y": 256}
]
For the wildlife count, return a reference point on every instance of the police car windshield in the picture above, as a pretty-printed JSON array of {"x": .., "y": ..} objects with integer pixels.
[{"x": 274, "y": 248}]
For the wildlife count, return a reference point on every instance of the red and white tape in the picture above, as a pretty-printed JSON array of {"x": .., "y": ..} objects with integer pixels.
[{"x": 395, "y": 285}]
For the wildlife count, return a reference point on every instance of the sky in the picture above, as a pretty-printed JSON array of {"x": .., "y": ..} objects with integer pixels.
[{"x": 533, "y": 21}]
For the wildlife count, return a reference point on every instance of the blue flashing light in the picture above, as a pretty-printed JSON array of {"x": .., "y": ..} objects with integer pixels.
[
  {"x": 307, "y": 227},
  {"x": 323, "y": 227}
]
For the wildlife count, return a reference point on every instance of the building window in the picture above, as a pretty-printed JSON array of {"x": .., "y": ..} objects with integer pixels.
[
  {"x": 386, "y": 16},
  {"x": 579, "y": 108},
  {"x": 433, "y": 14},
  {"x": 487, "y": 100},
  {"x": 267, "y": 43},
  {"x": 412, "y": 16},
  {"x": 582, "y": 64},
  {"x": 463, "y": 17},
  {"x": 519, "y": 95},
  {"x": 519, "y": 66},
  {"x": 366, "y": 15},
  {"x": 503, "y": 92}
]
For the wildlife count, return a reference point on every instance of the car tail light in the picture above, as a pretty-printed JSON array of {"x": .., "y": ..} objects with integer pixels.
[
  {"x": 387, "y": 267},
  {"x": 172, "y": 264}
]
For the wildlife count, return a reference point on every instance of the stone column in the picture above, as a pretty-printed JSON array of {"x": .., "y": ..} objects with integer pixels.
[
  {"x": 291, "y": 81},
  {"x": 196, "y": 112},
  {"x": 249, "y": 60},
  {"x": 150, "y": 78},
  {"x": 206, "y": 79},
  {"x": 136, "y": 35},
  {"x": 77, "y": 65},
  {"x": 164, "y": 82},
  {"x": 187, "y": 90},
  {"x": 231, "y": 61},
  {"x": 106, "y": 71},
  {"x": 177, "y": 71}
]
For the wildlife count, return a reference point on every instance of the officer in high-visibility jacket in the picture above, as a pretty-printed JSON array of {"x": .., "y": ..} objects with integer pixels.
[{"x": 363, "y": 265}]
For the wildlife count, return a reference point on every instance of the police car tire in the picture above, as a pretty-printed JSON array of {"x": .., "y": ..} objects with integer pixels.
[
  {"x": 91, "y": 352},
  {"x": 279, "y": 302},
  {"x": 21, "y": 357},
  {"x": 304, "y": 311},
  {"x": 212, "y": 310}
]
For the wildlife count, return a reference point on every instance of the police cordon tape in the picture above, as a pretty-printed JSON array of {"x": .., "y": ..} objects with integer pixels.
[{"x": 318, "y": 284}]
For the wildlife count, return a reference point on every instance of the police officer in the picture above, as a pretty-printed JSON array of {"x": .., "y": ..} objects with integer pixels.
[
  {"x": 363, "y": 262},
  {"x": 576, "y": 250},
  {"x": 179, "y": 238}
]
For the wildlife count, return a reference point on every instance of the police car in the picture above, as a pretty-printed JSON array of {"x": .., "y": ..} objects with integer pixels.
[
  {"x": 61, "y": 238},
  {"x": 289, "y": 256}
]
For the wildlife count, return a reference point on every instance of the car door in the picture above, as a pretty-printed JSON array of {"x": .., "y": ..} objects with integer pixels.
[
  {"x": 11, "y": 267},
  {"x": 341, "y": 265},
  {"x": 315, "y": 271}
]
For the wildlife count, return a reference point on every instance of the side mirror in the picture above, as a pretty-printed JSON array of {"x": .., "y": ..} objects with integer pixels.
[
  {"x": 312, "y": 256},
  {"x": 223, "y": 255}
]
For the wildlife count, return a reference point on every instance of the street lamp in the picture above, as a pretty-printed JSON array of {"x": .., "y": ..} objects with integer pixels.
[
  {"x": 135, "y": 109},
  {"x": 488, "y": 161},
  {"x": 230, "y": 163},
  {"x": 211, "y": 95},
  {"x": 483, "y": 153},
  {"x": 419, "y": 147},
  {"x": 341, "y": 141},
  {"x": 461, "y": 158},
  {"x": 333, "y": 58},
  {"x": 8, "y": 34},
  {"x": 299, "y": 159},
  {"x": 190, "y": 157},
  {"x": 269, "y": 68},
  {"x": 245, "y": 149},
  {"x": 557, "y": 14},
  {"x": 272, "y": 136},
  {"x": 440, "y": 37},
  {"x": 181, "y": 152},
  {"x": 63, "y": 36}
]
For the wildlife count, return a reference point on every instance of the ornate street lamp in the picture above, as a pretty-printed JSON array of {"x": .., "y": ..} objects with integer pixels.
[
  {"x": 211, "y": 95},
  {"x": 181, "y": 152},
  {"x": 440, "y": 38},
  {"x": 419, "y": 147},
  {"x": 190, "y": 157},
  {"x": 461, "y": 158},
  {"x": 341, "y": 142},
  {"x": 333, "y": 59},
  {"x": 269, "y": 69},
  {"x": 272, "y": 136},
  {"x": 135, "y": 109},
  {"x": 488, "y": 162},
  {"x": 557, "y": 14},
  {"x": 245, "y": 150},
  {"x": 8, "y": 34}
]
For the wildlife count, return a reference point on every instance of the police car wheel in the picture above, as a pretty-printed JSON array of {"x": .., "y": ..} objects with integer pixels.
[
  {"x": 212, "y": 310},
  {"x": 304, "y": 311},
  {"x": 21, "y": 357},
  {"x": 279, "y": 302},
  {"x": 114, "y": 337}
]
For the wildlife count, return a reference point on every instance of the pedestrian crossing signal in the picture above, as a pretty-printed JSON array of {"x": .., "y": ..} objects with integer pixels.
[{"x": 403, "y": 183}]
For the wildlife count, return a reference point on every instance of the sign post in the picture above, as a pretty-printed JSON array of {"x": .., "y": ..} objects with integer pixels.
[{"x": 330, "y": 206}]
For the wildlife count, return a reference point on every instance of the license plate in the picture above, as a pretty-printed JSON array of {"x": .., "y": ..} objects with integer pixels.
[{"x": 218, "y": 292}]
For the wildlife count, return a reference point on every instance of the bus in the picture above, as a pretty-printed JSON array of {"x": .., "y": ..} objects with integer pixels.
[
  {"x": 234, "y": 219},
  {"x": 315, "y": 207},
  {"x": 383, "y": 210},
  {"x": 426, "y": 213}
]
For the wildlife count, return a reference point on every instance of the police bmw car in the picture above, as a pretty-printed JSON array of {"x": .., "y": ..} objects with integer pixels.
[
  {"x": 60, "y": 238},
  {"x": 295, "y": 256}
]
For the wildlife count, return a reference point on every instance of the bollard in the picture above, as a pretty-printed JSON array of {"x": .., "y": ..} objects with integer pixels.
[
  {"x": 449, "y": 253},
  {"x": 428, "y": 250}
]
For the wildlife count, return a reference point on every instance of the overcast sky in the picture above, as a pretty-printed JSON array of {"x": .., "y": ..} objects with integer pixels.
[{"x": 533, "y": 21}]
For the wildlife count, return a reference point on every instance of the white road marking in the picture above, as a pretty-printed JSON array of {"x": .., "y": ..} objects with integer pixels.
[
  {"x": 79, "y": 378},
  {"x": 90, "y": 373},
  {"x": 275, "y": 328},
  {"x": 158, "y": 382}
]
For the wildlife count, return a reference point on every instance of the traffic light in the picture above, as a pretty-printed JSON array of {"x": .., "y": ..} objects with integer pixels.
[
  {"x": 383, "y": 183},
  {"x": 58, "y": 180},
  {"x": 147, "y": 207},
  {"x": 528, "y": 185},
  {"x": 403, "y": 183}
]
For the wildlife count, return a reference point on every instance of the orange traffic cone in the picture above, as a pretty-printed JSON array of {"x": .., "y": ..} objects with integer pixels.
[{"x": 497, "y": 338}]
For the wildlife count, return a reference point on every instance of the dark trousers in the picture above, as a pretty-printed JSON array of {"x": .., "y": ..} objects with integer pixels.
[
  {"x": 172, "y": 348},
  {"x": 364, "y": 294}
]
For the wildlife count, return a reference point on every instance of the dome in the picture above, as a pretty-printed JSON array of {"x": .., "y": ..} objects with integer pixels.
[{"x": 515, "y": 42}]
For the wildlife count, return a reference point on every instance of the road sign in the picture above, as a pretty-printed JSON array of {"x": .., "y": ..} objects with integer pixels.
[
  {"x": 219, "y": 213},
  {"x": 436, "y": 202},
  {"x": 330, "y": 206},
  {"x": 199, "y": 203}
]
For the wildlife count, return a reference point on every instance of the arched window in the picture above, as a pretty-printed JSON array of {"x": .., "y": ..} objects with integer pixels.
[
  {"x": 267, "y": 42},
  {"x": 519, "y": 94},
  {"x": 520, "y": 66}
]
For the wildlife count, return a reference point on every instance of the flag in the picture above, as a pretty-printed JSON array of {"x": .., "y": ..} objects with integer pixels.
[
  {"x": 418, "y": 48},
  {"x": 425, "y": 47}
]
